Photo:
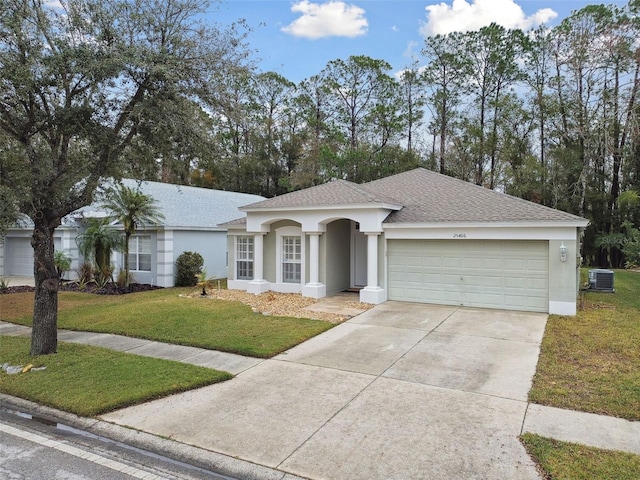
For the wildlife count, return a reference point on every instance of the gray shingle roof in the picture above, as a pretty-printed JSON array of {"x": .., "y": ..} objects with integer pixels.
[
  {"x": 335, "y": 193},
  {"x": 193, "y": 207},
  {"x": 429, "y": 197},
  {"x": 425, "y": 197},
  {"x": 183, "y": 207},
  {"x": 190, "y": 207}
]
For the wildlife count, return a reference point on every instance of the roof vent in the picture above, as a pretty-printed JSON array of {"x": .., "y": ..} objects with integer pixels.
[{"x": 601, "y": 280}]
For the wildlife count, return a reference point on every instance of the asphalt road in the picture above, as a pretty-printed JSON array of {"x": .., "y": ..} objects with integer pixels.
[{"x": 33, "y": 450}]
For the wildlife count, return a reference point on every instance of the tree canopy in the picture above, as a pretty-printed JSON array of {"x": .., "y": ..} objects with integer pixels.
[
  {"x": 92, "y": 90},
  {"x": 550, "y": 115},
  {"x": 142, "y": 88}
]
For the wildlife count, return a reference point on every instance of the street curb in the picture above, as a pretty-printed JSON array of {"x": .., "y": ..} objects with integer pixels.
[{"x": 198, "y": 457}]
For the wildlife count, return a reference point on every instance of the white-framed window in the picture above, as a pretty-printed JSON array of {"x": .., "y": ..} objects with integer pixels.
[
  {"x": 140, "y": 253},
  {"x": 244, "y": 257},
  {"x": 291, "y": 258}
]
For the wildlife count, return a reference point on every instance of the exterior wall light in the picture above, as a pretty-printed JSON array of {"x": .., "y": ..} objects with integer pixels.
[{"x": 563, "y": 252}]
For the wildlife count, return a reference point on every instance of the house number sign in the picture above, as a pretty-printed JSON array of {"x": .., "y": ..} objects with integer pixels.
[{"x": 459, "y": 235}]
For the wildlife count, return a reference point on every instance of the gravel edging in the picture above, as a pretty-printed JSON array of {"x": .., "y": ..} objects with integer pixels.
[{"x": 282, "y": 304}]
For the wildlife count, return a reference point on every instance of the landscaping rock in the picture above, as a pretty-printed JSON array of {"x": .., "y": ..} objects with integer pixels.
[{"x": 282, "y": 304}]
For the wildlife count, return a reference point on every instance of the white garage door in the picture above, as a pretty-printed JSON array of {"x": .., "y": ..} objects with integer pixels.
[
  {"x": 18, "y": 258},
  {"x": 510, "y": 275}
]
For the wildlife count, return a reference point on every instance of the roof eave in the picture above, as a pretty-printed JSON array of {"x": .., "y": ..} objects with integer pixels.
[
  {"x": 536, "y": 223},
  {"x": 361, "y": 206},
  {"x": 237, "y": 227}
]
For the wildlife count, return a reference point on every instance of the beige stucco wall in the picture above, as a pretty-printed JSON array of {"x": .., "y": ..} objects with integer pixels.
[
  {"x": 231, "y": 250},
  {"x": 269, "y": 265},
  {"x": 563, "y": 279}
]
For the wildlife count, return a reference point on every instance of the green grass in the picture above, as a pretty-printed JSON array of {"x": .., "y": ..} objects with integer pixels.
[
  {"x": 591, "y": 362},
  {"x": 90, "y": 381},
  {"x": 570, "y": 461},
  {"x": 164, "y": 316}
]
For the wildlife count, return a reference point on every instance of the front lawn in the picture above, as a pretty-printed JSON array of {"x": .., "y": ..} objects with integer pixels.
[
  {"x": 164, "y": 316},
  {"x": 91, "y": 381},
  {"x": 570, "y": 461},
  {"x": 591, "y": 362}
]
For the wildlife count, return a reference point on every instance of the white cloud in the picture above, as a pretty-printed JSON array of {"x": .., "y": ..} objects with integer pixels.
[
  {"x": 53, "y": 5},
  {"x": 331, "y": 19},
  {"x": 412, "y": 47},
  {"x": 400, "y": 74},
  {"x": 463, "y": 16}
]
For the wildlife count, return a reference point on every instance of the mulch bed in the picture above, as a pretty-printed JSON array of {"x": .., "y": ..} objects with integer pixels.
[{"x": 110, "y": 289}]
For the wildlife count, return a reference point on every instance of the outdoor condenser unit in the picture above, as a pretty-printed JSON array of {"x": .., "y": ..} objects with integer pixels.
[{"x": 601, "y": 280}]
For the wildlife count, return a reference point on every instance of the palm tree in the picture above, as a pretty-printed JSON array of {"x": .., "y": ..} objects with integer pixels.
[
  {"x": 132, "y": 209},
  {"x": 96, "y": 244}
]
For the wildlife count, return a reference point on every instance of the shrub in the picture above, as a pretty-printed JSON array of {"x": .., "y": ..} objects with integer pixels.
[
  {"x": 188, "y": 268},
  {"x": 631, "y": 248},
  {"x": 122, "y": 278},
  {"x": 62, "y": 262},
  {"x": 85, "y": 273}
]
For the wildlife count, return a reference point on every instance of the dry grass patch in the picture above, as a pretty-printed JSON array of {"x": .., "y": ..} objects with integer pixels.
[
  {"x": 569, "y": 461},
  {"x": 591, "y": 362}
]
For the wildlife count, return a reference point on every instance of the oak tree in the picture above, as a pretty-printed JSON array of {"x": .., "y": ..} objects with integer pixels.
[{"x": 80, "y": 86}]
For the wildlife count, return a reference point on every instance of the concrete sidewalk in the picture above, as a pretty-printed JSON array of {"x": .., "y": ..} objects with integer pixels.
[
  {"x": 227, "y": 362},
  {"x": 599, "y": 431},
  {"x": 401, "y": 391}
]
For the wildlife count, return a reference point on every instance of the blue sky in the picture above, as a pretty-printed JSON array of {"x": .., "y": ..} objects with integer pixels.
[{"x": 297, "y": 38}]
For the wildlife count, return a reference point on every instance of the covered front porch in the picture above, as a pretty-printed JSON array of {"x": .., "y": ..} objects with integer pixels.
[{"x": 332, "y": 256}]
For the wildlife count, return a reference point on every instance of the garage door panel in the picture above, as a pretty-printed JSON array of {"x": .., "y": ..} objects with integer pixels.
[
  {"x": 486, "y": 282},
  {"x": 431, "y": 279},
  {"x": 428, "y": 262},
  {"x": 18, "y": 256},
  {"x": 538, "y": 266},
  {"x": 490, "y": 274},
  {"x": 451, "y": 297},
  {"x": 510, "y": 282},
  {"x": 474, "y": 263},
  {"x": 514, "y": 264},
  {"x": 537, "y": 283},
  {"x": 451, "y": 262},
  {"x": 451, "y": 278},
  {"x": 414, "y": 277}
]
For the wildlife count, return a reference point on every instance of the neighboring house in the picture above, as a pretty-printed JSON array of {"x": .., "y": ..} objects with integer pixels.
[
  {"x": 16, "y": 252},
  {"x": 418, "y": 236},
  {"x": 191, "y": 223}
]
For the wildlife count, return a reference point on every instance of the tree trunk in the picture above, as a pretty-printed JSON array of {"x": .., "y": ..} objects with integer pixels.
[
  {"x": 480, "y": 160},
  {"x": 44, "y": 335},
  {"x": 494, "y": 140},
  {"x": 443, "y": 132}
]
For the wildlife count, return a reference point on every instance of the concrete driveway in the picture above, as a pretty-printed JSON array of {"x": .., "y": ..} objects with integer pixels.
[
  {"x": 403, "y": 391},
  {"x": 15, "y": 281}
]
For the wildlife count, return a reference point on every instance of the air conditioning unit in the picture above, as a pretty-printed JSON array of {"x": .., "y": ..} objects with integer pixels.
[{"x": 601, "y": 280}]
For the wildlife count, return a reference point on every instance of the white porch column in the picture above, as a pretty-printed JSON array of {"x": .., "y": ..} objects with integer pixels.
[
  {"x": 372, "y": 293},
  {"x": 258, "y": 284},
  {"x": 314, "y": 288}
]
